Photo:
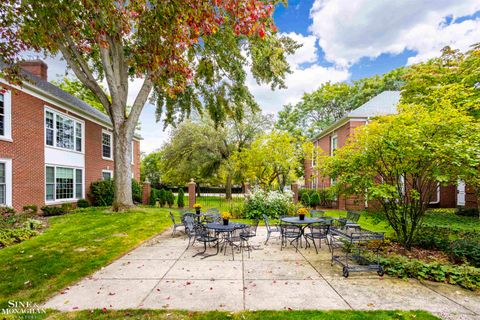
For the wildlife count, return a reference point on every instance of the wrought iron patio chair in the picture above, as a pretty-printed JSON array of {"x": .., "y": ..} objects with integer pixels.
[
  {"x": 351, "y": 221},
  {"x": 316, "y": 213},
  {"x": 248, "y": 233},
  {"x": 235, "y": 241},
  {"x": 191, "y": 228},
  {"x": 175, "y": 224},
  {"x": 213, "y": 211},
  {"x": 270, "y": 229},
  {"x": 206, "y": 236},
  {"x": 290, "y": 233},
  {"x": 318, "y": 232}
]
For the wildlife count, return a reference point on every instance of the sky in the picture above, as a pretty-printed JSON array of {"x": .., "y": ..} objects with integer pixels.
[{"x": 345, "y": 40}]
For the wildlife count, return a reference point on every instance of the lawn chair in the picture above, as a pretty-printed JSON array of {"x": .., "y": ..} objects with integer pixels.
[
  {"x": 292, "y": 233},
  {"x": 351, "y": 220},
  {"x": 318, "y": 232},
  {"x": 317, "y": 213},
  {"x": 248, "y": 233},
  {"x": 206, "y": 236},
  {"x": 270, "y": 229},
  {"x": 191, "y": 228},
  {"x": 175, "y": 224}
]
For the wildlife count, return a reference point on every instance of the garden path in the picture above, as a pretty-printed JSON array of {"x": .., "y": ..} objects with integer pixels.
[{"x": 162, "y": 274}]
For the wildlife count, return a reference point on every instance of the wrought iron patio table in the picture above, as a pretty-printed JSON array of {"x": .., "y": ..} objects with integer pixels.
[
  {"x": 224, "y": 229},
  {"x": 302, "y": 225}
]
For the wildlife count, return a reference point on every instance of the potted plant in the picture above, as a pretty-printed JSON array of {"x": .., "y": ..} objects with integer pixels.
[
  {"x": 302, "y": 212},
  {"x": 197, "y": 207},
  {"x": 226, "y": 216}
]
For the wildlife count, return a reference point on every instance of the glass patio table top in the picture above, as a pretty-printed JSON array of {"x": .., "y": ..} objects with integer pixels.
[{"x": 220, "y": 227}]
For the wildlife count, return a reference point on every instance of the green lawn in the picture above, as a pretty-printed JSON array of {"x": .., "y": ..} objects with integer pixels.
[
  {"x": 72, "y": 247},
  {"x": 257, "y": 315}
]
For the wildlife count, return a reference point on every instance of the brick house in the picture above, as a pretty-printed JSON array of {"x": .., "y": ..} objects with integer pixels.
[
  {"x": 336, "y": 135},
  {"x": 52, "y": 145}
]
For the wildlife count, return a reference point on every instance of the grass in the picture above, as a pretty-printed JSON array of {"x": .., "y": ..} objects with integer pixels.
[
  {"x": 74, "y": 246},
  {"x": 448, "y": 219},
  {"x": 246, "y": 315}
]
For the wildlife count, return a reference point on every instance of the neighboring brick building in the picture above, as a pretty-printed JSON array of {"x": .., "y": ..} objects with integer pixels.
[
  {"x": 335, "y": 136},
  {"x": 52, "y": 145}
]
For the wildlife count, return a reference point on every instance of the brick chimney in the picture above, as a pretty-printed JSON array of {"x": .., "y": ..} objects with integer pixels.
[{"x": 36, "y": 67}]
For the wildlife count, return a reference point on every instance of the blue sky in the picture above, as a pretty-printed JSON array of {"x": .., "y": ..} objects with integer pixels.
[{"x": 345, "y": 40}]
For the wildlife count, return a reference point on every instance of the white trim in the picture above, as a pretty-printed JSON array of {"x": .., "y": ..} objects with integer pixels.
[
  {"x": 438, "y": 195},
  {"x": 8, "y": 181},
  {"x": 7, "y": 109},
  {"x": 62, "y": 114},
  {"x": 111, "y": 144},
  {"x": 59, "y": 201},
  {"x": 337, "y": 125},
  {"x": 53, "y": 100},
  {"x": 332, "y": 137},
  {"x": 461, "y": 194},
  {"x": 107, "y": 171}
]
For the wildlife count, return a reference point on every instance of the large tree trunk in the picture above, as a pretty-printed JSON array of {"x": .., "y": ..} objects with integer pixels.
[
  {"x": 123, "y": 169},
  {"x": 228, "y": 187}
]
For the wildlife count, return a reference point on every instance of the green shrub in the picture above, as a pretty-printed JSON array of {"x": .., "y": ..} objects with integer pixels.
[
  {"x": 12, "y": 236},
  {"x": 181, "y": 198},
  {"x": 170, "y": 198},
  {"x": 136, "y": 191},
  {"x": 102, "y": 193},
  {"x": 466, "y": 250},
  {"x": 31, "y": 209},
  {"x": 82, "y": 203},
  {"x": 54, "y": 211},
  {"x": 8, "y": 217},
  {"x": 162, "y": 197},
  {"x": 152, "y": 200},
  {"x": 314, "y": 199},
  {"x": 305, "y": 199},
  {"x": 403, "y": 267},
  {"x": 467, "y": 212}
]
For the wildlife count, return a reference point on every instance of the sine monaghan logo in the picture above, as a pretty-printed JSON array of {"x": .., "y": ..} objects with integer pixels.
[{"x": 23, "y": 307}]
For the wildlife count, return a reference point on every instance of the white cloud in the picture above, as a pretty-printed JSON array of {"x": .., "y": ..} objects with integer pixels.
[
  {"x": 349, "y": 30},
  {"x": 302, "y": 79}
]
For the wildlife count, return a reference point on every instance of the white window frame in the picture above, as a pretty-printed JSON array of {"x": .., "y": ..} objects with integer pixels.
[
  {"x": 111, "y": 144},
  {"x": 75, "y": 121},
  {"x": 55, "y": 200},
  {"x": 8, "y": 182},
  {"x": 333, "y": 137},
  {"x": 107, "y": 171},
  {"x": 7, "y": 109}
]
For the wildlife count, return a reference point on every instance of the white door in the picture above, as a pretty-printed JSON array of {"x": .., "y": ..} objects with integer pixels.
[{"x": 461, "y": 193}]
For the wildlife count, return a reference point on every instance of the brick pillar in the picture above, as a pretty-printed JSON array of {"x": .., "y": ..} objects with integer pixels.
[
  {"x": 246, "y": 187},
  {"x": 147, "y": 188},
  {"x": 295, "y": 187},
  {"x": 191, "y": 193}
]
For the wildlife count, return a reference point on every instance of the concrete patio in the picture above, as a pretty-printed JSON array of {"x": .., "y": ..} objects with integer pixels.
[{"x": 162, "y": 274}]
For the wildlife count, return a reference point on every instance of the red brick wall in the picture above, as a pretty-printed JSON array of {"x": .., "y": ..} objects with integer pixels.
[{"x": 27, "y": 150}]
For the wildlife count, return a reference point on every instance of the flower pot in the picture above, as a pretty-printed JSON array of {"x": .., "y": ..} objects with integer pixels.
[
  {"x": 301, "y": 217},
  {"x": 197, "y": 211},
  {"x": 225, "y": 222}
]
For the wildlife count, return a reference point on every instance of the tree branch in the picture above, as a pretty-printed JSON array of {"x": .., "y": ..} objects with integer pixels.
[{"x": 139, "y": 102}]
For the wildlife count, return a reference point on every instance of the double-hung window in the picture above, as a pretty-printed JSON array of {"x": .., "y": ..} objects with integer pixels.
[
  {"x": 63, "y": 132},
  {"x": 63, "y": 183},
  {"x": 5, "y": 182},
  {"x": 333, "y": 144},
  {"x": 5, "y": 115},
  {"x": 107, "y": 174},
  {"x": 107, "y": 145}
]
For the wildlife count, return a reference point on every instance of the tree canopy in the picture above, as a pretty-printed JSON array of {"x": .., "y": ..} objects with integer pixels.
[
  {"x": 77, "y": 89},
  {"x": 190, "y": 53}
]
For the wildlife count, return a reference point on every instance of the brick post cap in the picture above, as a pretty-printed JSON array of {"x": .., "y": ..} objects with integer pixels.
[
  {"x": 146, "y": 181},
  {"x": 192, "y": 181}
]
